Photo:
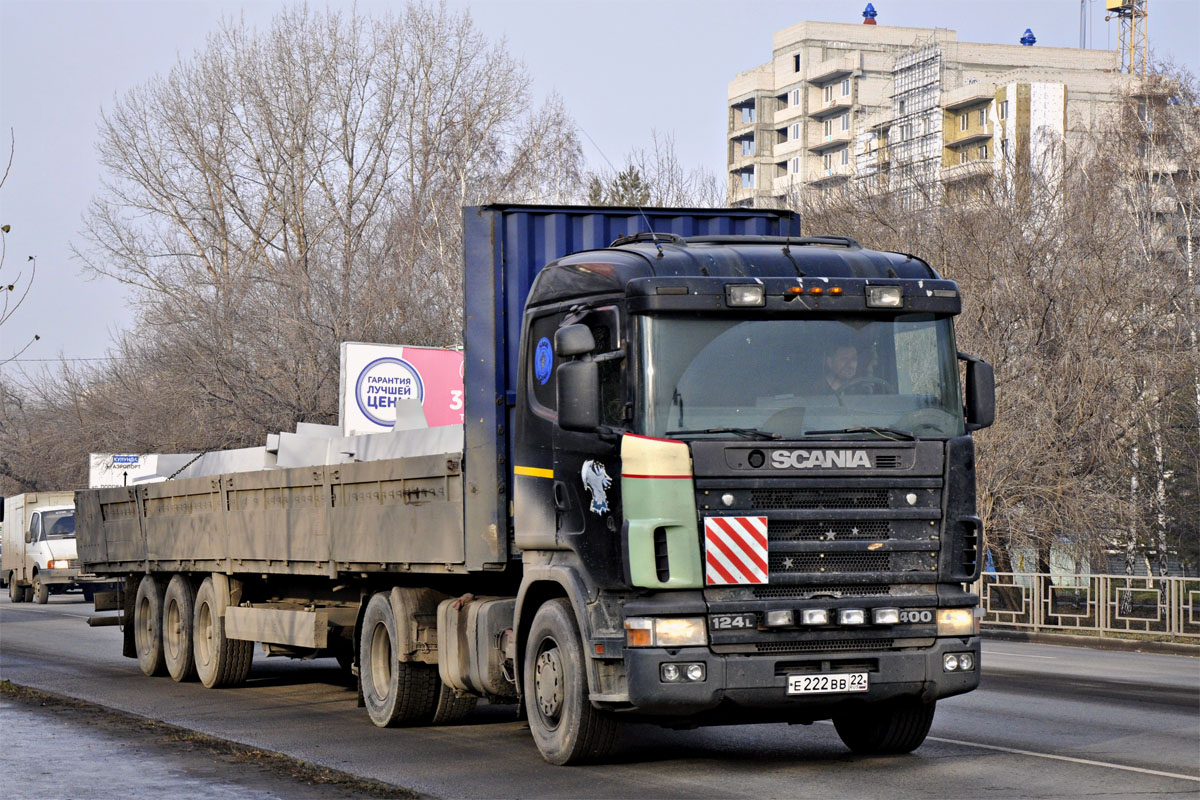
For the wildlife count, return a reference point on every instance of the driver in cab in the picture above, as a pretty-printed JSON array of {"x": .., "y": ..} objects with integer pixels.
[{"x": 841, "y": 368}]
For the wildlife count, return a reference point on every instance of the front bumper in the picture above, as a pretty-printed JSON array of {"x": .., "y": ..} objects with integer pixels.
[
  {"x": 57, "y": 577},
  {"x": 746, "y": 687}
]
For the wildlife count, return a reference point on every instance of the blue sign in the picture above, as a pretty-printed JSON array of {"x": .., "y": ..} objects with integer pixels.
[
  {"x": 383, "y": 382},
  {"x": 131, "y": 460},
  {"x": 543, "y": 361}
]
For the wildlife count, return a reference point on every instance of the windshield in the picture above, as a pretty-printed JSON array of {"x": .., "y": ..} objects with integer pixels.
[
  {"x": 799, "y": 377},
  {"x": 58, "y": 524}
]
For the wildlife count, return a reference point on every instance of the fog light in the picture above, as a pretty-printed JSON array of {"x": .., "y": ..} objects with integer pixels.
[
  {"x": 669, "y": 673},
  {"x": 949, "y": 662},
  {"x": 779, "y": 619},
  {"x": 695, "y": 672},
  {"x": 851, "y": 616},
  {"x": 814, "y": 616},
  {"x": 885, "y": 296},
  {"x": 966, "y": 662},
  {"x": 886, "y": 616},
  {"x": 747, "y": 295}
]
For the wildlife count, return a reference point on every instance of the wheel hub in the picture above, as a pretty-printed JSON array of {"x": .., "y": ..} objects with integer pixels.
[{"x": 548, "y": 683}]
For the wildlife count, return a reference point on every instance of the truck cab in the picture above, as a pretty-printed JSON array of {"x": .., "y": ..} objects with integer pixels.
[
  {"x": 39, "y": 555},
  {"x": 747, "y": 462}
]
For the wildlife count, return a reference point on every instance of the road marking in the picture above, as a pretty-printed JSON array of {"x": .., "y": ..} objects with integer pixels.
[
  {"x": 1073, "y": 760},
  {"x": 1017, "y": 655}
]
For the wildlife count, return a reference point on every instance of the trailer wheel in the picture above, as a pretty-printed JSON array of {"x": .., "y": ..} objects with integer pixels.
[
  {"x": 395, "y": 692},
  {"x": 179, "y": 608},
  {"x": 887, "y": 729},
  {"x": 41, "y": 590},
  {"x": 15, "y": 593},
  {"x": 220, "y": 661},
  {"x": 452, "y": 707},
  {"x": 565, "y": 726},
  {"x": 147, "y": 626}
]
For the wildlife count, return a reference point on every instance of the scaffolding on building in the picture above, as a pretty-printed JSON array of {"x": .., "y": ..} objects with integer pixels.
[{"x": 915, "y": 142}]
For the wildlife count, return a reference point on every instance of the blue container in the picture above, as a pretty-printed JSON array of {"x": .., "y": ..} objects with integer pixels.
[{"x": 505, "y": 246}]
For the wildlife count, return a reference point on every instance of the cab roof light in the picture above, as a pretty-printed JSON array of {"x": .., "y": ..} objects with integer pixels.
[
  {"x": 745, "y": 295},
  {"x": 885, "y": 296}
]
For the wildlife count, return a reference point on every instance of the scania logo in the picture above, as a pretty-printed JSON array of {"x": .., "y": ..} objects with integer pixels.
[{"x": 819, "y": 459}]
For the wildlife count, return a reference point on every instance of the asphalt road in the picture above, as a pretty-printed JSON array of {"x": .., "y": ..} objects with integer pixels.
[{"x": 1047, "y": 722}]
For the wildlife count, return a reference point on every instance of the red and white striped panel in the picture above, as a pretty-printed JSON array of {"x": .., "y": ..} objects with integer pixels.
[{"x": 735, "y": 550}]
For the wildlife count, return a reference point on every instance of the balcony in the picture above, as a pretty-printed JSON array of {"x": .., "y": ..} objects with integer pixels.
[
  {"x": 821, "y": 143},
  {"x": 978, "y": 168},
  {"x": 838, "y": 173},
  {"x": 834, "y": 68},
  {"x": 824, "y": 108},
  {"x": 970, "y": 95}
]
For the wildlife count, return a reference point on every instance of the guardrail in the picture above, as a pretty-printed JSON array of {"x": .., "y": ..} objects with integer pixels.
[{"x": 1091, "y": 604}]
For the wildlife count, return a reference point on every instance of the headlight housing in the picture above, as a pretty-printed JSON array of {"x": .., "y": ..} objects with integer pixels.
[
  {"x": 665, "y": 632},
  {"x": 957, "y": 622},
  {"x": 58, "y": 563}
]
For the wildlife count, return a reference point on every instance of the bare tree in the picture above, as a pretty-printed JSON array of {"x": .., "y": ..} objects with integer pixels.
[
  {"x": 13, "y": 291},
  {"x": 284, "y": 191},
  {"x": 654, "y": 176}
]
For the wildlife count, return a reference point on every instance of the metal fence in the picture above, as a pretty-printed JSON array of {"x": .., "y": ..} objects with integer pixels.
[{"x": 1092, "y": 604}]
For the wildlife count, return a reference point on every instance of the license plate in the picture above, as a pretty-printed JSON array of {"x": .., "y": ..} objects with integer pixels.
[
  {"x": 827, "y": 684},
  {"x": 732, "y": 622}
]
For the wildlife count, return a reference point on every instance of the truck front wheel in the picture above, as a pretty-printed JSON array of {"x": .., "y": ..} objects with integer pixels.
[
  {"x": 220, "y": 661},
  {"x": 395, "y": 692},
  {"x": 147, "y": 626},
  {"x": 565, "y": 726},
  {"x": 179, "y": 607},
  {"x": 41, "y": 590},
  {"x": 889, "y": 728}
]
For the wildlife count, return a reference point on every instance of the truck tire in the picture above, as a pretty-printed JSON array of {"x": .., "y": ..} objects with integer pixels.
[
  {"x": 395, "y": 692},
  {"x": 179, "y": 609},
  {"x": 16, "y": 593},
  {"x": 220, "y": 661},
  {"x": 890, "y": 728},
  {"x": 41, "y": 591},
  {"x": 565, "y": 726},
  {"x": 451, "y": 707},
  {"x": 147, "y": 626}
]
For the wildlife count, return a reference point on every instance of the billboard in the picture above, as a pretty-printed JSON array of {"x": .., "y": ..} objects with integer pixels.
[{"x": 379, "y": 379}]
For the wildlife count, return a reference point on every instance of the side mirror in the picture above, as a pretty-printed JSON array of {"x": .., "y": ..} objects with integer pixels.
[
  {"x": 573, "y": 340},
  {"x": 578, "y": 392},
  {"x": 981, "y": 393}
]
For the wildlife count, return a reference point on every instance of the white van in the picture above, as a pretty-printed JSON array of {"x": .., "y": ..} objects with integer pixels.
[{"x": 39, "y": 557}]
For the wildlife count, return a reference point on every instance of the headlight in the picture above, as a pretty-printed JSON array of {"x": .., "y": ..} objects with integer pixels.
[
  {"x": 58, "y": 563},
  {"x": 665, "y": 632},
  {"x": 956, "y": 622}
]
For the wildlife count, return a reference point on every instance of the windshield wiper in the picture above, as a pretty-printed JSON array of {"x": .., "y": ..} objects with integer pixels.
[
  {"x": 749, "y": 433},
  {"x": 886, "y": 433}
]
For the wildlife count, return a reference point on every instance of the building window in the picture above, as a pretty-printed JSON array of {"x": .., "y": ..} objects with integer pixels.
[
  {"x": 747, "y": 147},
  {"x": 795, "y": 131},
  {"x": 900, "y": 108},
  {"x": 983, "y": 116},
  {"x": 796, "y": 62},
  {"x": 1003, "y": 109},
  {"x": 747, "y": 114},
  {"x": 846, "y": 87},
  {"x": 845, "y": 122},
  {"x": 829, "y": 127},
  {"x": 827, "y": 160},
  {"x": 906, "y": 132},
  {"x": 795, "y": 97},
  {"x": 845, "y": 156},
  {"x": 828, "y": 93},
  {"x": 963, "y": 121},
  {"x": 962, "y": 157},
  {"x": 983, "y": 151},
  {"x": 796, "y": 164},
  {"x": 1004, "y": 147},
  {"x": 748, "y": 179}
]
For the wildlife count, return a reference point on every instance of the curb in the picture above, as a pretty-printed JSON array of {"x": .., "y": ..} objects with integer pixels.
[{"x": 1095, "y": 642}]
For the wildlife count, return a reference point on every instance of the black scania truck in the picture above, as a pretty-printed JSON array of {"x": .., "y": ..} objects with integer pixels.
[{"x": 713, "y": 472}]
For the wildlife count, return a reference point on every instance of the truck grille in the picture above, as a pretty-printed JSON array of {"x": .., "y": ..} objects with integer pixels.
[
  {"x": 767, "y": 499},
  {"x": 827, "y": 646},
  {"x": 832, "y": 562}
]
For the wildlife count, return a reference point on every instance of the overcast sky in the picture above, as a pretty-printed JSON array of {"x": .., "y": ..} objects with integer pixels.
[{"x": 623, "y": 67}]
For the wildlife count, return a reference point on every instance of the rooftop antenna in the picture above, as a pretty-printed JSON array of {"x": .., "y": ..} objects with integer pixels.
[{"x": 649, "y": 227}]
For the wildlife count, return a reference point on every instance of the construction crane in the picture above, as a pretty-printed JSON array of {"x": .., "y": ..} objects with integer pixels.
[{"x": 1134, "y": 18}]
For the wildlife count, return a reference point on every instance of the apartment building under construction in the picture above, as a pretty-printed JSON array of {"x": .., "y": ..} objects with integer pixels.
[{"x": 904, "y": 107}]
